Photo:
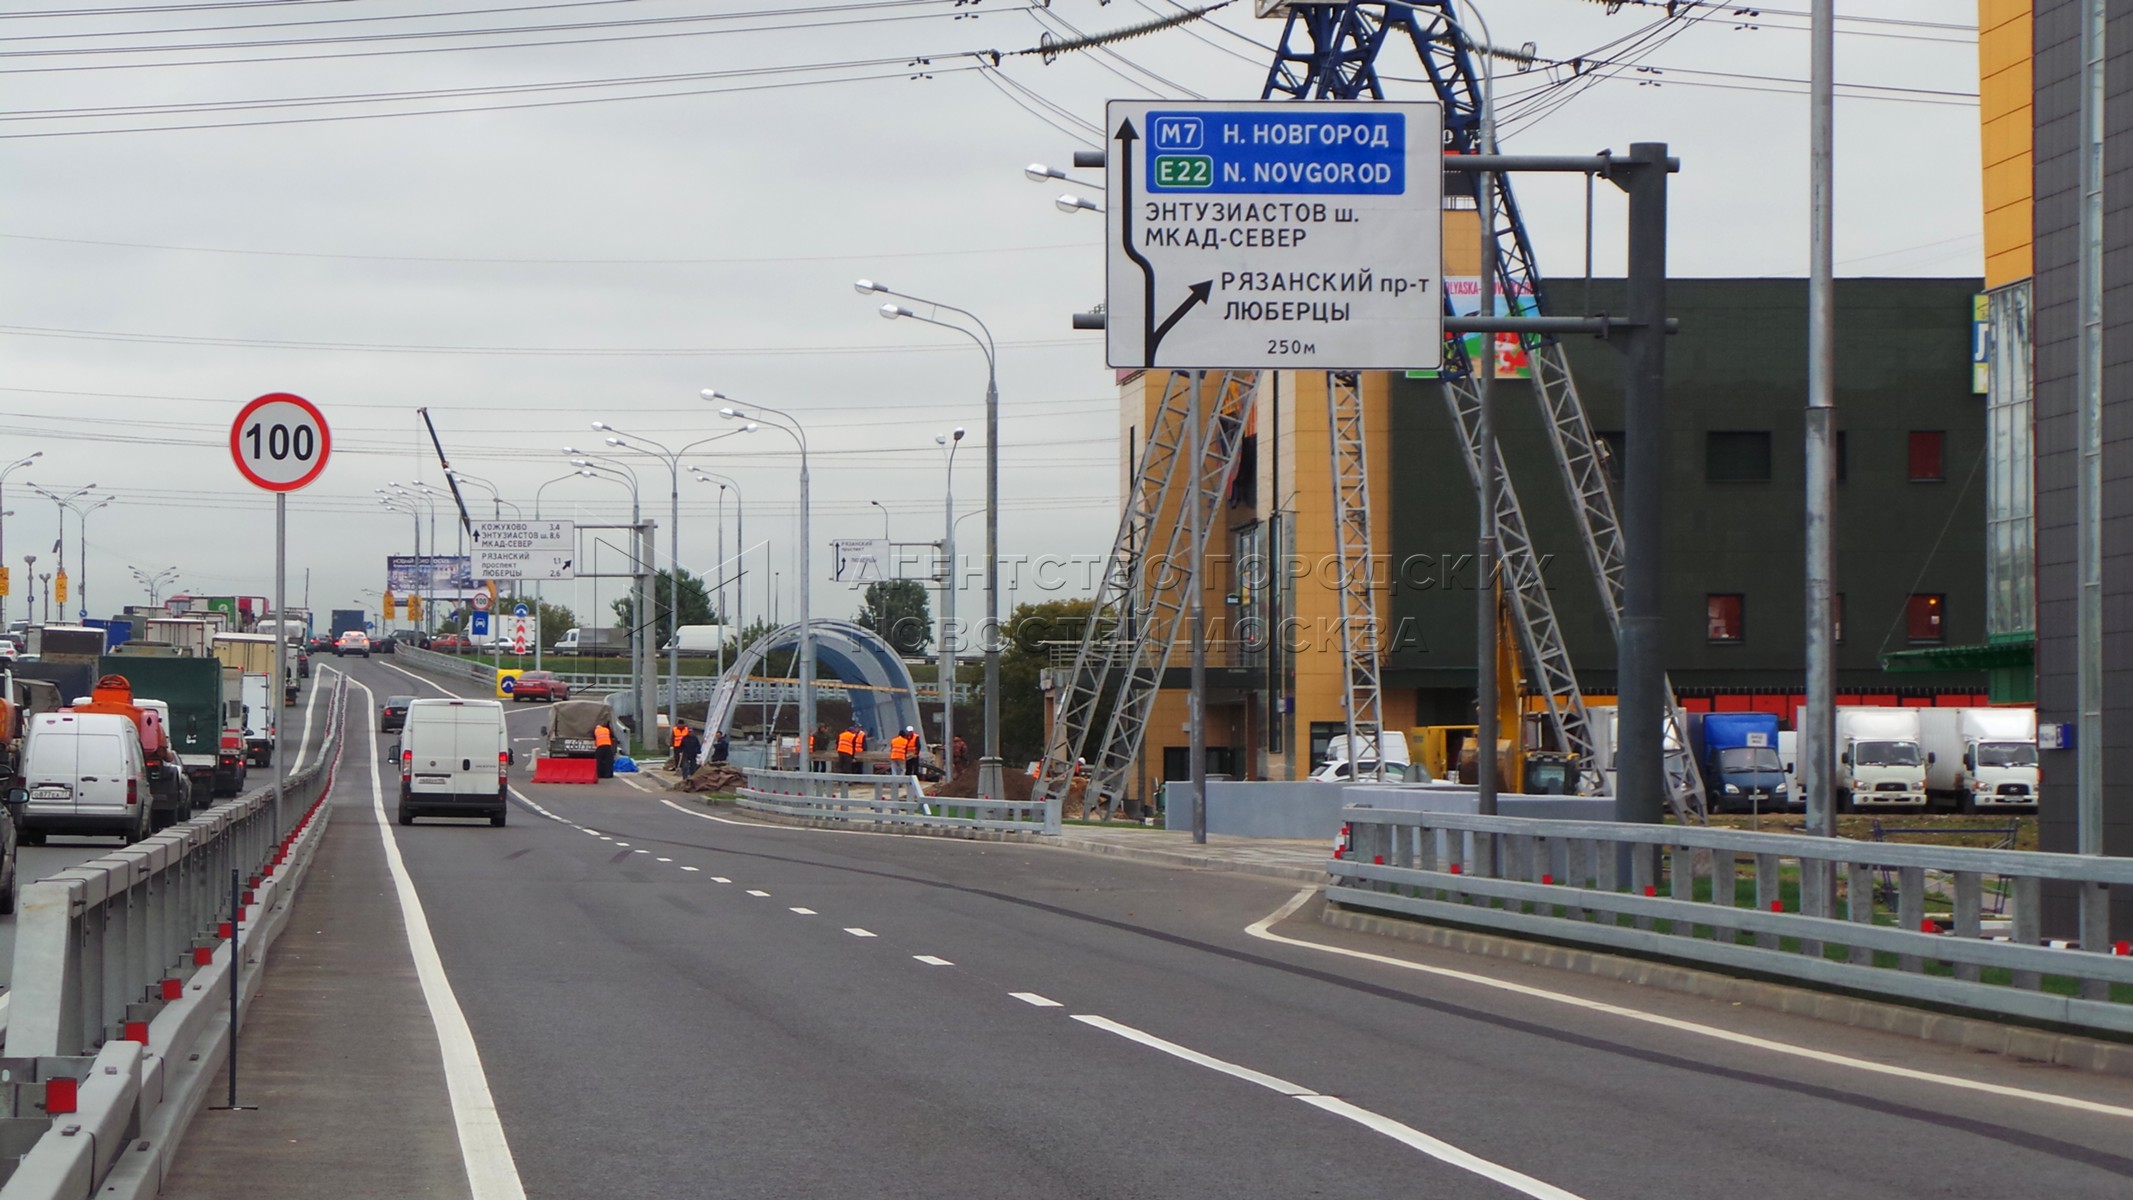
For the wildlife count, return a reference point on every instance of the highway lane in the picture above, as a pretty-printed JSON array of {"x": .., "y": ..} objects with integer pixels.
[
  {"x": 306, "y": 731},
  {"x": 665, "y": 1002}
]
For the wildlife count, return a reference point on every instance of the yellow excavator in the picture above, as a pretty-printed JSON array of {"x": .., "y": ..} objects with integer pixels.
[{"x": 1450, "y": 752}]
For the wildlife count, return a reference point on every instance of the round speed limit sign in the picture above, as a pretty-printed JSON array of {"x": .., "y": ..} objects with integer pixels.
[{"x": 280, "y": 442}]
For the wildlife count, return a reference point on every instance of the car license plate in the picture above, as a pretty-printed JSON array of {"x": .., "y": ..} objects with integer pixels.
[
  {"x": 433, "y": 779},
  {"x": 50, "y": 793}
]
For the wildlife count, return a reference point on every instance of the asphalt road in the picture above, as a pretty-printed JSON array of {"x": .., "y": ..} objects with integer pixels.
[
  {"x": 664, "y": 1002},
  {"x": 306, "y": 729}
]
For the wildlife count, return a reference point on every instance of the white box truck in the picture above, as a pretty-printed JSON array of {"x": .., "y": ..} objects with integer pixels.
[
  {"x": 259, "y": 710},
  {"x": 1880, "y": 763},
  {"x": 1999, "y": 766}
]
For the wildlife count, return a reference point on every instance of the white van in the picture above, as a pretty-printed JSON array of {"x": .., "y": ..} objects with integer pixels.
[
  {"x": 454, "y": 760},
  {"x": 699, "y": 640},
  {"x": 85, "y": 774},
  {"x": 259, "y": 710}
]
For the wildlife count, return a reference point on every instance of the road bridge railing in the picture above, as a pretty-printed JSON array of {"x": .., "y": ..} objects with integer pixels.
[
  {"x": 894, "y": 801},
  {"x": 1909, "y": 922},
  {"x": 119, "y": 1017}
]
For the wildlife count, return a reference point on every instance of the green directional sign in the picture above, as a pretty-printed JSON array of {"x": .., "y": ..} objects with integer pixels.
[{"x": 1185, "y": 171}]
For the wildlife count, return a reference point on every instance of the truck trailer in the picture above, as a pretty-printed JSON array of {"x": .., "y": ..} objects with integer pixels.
[{"x": 206, "y": 729}]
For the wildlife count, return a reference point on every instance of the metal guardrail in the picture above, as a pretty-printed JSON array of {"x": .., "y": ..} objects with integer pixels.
[
  {"x": 123, "y": 969},
  {"x": 888, "y": 800},
  {"x": 458, "y": 666},
  {"x": 1681, "y": 897}
]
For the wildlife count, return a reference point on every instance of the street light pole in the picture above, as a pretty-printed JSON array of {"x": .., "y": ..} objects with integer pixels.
[
  {"x": 4, "y": 473},
  {"x": 59, "y": 546},
  {"x": 672, "y": 458},
  {"x": 807, "y": 622},
  {"x": 641, "y": 603},
  {"x": 739, "y": 619},
  {"x": 949, "y": 580},
  {"x": 83, "y": 518},
  {"x": 990, "y": 783}
]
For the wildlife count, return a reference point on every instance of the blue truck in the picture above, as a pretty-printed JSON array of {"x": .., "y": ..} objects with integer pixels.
[{"x": 1739, "y": 756}]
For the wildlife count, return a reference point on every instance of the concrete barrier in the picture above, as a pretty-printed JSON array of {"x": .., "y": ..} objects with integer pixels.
[{"x": 1307, "y": 809}]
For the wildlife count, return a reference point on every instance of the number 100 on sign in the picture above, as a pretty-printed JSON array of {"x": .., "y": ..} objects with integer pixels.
[{"x": 280, "y": 442}]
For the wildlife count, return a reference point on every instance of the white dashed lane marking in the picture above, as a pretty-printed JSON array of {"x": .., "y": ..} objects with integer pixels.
[
  {"x": 931, "y": 961},
  {"x": 859, "y": 933},
  {"x": 1033, "y": 998}
]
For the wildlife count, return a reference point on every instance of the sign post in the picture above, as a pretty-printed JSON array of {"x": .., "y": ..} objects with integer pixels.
[
  {"x": 1251, "y": 235},
  {"x": 280, "y": 443}
]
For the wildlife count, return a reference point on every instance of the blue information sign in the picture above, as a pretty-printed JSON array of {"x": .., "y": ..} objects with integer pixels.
[
  {"x": 1290, "y": 152},
  {"x": 479, "y": 626},
  {"x": 520, "y": 611}
]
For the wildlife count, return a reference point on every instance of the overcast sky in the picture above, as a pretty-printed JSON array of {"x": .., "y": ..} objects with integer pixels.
[{"x": 187, "y": 222}]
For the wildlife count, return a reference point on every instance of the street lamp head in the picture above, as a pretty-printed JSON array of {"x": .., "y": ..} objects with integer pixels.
[
  {"x": 616, "y": 442},
  {"x": 1074, "y": 204},
  {"x": 890, "y": 312},
  {"x": 959, "y": 433},
  {"x": 867, "y": 287},
  {"x": 1038, "y": 172},
  {"x": 602, "y": 425},
  {"x": 584, "y": 463}
]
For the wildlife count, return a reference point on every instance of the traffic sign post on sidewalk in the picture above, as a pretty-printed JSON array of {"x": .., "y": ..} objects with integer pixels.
[{"x": 280, "y": 442}]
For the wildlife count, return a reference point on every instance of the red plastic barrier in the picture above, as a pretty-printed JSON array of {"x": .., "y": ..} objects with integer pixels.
[{"x": 566, "y": 770}]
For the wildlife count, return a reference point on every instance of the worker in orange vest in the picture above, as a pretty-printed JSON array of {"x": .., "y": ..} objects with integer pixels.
[
  {"x": 604, "y": 750},
  {"x": 850, "y": 744},
  {"x": 900, "y": 750}
]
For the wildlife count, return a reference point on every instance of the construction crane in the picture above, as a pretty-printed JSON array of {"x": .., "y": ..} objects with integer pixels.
[{"x": 1331, "y": 52}]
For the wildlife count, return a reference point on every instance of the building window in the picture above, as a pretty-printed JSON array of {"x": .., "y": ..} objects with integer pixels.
[
  {"x": 1922, "y": 617},
  {"x": 1722, "y": 617},
  {"x": 1737, "y": 456},
  {"x": 1926, "y": 446}
]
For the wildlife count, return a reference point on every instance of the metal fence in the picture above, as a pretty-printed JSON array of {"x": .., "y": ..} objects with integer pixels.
[
  {"x": 894, "y": 801},
  {"x": 123, "y": 967},
  {"x": 1905, "y": 921}
]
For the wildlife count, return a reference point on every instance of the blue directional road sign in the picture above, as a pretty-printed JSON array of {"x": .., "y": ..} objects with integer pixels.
[
  {"x": 520, "y": 611},
  {"x": 509, "y": 684},
  {"x": 1258, "y": 235},
  {"x": 479, "y": 627}
]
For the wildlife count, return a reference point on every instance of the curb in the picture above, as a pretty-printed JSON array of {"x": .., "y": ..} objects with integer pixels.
[{"x": 1990, "y": 1037}]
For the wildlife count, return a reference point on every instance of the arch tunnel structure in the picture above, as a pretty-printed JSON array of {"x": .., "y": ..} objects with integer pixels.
[{"x": 884, "y": 702}]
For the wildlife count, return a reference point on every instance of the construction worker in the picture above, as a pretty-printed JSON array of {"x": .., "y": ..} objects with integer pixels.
[
  {"x": 691, "y": 746},
  {"x": 848, "y": 744},
  {"x": 604, "y": 750},
  {"x": 681, "y": 730},
  {"x": 818, "y": 743},
  {"x": 718, "y": 746},
  {"x": 900, "y": 752}
]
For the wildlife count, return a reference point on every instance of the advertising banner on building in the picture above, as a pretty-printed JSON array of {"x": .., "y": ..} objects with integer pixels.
[
  {"x": 428, "y": 573},
  {"x": 1464, "y": 292}
]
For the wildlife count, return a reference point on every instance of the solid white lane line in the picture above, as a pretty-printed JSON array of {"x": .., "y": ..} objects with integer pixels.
[
  {"x": 1262, "y": 929},
  {"x": 754, "y": 892},
  {"x": 1035, "y": 1000},
  {"x": 418, "y": 679},
  {"x": 492, "y": 1173},
  {"x": 805, "y": 912},
  {"x": 303, "y": 741},
  {"x": 1436, "y": 1148},
  {"x": 931, "y": 961},
  {"x": 1270, "y": 1082},
  {"x": 855, "y": 932}
]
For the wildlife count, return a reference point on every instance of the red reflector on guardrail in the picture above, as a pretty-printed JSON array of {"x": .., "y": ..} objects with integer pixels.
[
  {"x": 1377, "y": 860},
  {"x": 1547, "y": 879},
  {"x": 62, "y": 1095},
  {"x": 137, "y": 1031},
  {"x": 1777, "y": 906},
  {"x": 223, "y": 930},
  {"x": 1927, "y": 926},
  {"x": 203, "y": 956},
  {"x": 1649, "y": 890},
  {"x": 2122, "y": 948},
  {"x": 173, "y": 989}
]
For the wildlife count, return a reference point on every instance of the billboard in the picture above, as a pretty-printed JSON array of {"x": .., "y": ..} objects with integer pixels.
[
  {"x": 1463, "y": 292},
  {"x": 428, "y": 573}
]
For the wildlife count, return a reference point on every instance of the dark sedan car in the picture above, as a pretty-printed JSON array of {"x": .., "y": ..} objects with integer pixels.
[
  {"x": 393, "y": 715},
  {"x": 321, "y": 645},
  {"x": 539, "y": 685},
  {"x": 384, "y": 645}
]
